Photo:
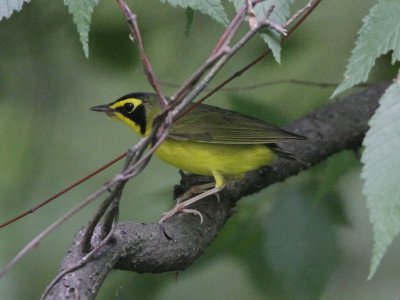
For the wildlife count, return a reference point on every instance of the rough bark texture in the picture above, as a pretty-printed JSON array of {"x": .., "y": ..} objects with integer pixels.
[{"x": 175, "y": 244}]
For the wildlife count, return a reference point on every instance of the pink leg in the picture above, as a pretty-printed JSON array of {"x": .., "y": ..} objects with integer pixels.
[
  {"x": 194, "y": 190},
  {"x": 182, "y": 206}
]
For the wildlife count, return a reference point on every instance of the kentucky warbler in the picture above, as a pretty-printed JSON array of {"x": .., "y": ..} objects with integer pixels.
[{"x": 208, "y": 141}]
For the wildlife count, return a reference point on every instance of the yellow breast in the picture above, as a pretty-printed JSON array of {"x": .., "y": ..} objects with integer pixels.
[{"x": 205, "y": 159}]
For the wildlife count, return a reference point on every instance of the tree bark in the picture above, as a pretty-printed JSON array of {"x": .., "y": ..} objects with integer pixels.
[{"x": 175, "y": 244}]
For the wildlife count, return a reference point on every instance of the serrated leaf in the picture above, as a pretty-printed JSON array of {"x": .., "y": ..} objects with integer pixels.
[
  {"x": 379, "y": 34},
  {"x": 7, "y": 7},
  {"x": 300, "y": 246},
  {"x": 212, "y": 8},
  {"x": 81, "y": 11},
  {"x": 381, "y": 173},
  {"x": 279, "y": 15}
]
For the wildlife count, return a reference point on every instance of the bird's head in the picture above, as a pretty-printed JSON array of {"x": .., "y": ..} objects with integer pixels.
[{"x": 137, "y": 110}]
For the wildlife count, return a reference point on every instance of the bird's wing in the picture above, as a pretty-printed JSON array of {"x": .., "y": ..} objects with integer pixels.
[{"x": 210, "y": 124}]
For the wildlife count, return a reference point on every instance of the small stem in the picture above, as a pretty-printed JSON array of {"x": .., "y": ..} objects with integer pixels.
[
  {"x": 148, "y": 70},
  {"x": 110, "y": 217},
  {"x": 312, "y": 4},
  {"x": 134, "y": 154},
  {"x": 87, "y": 238},
  {"x": 35, "y": 241},
  {"x": 300, "y": 18},
  {"x": 227, "y": 55},
  {"x": 183, "y": 90},
  {"x": 230, "y": 31},
  {"x": 68, "y": 188}
]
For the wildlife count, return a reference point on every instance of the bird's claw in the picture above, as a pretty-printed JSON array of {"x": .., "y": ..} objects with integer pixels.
[
  {"x": 194, "y": 212},
  {"x": 180, "y": 208}
]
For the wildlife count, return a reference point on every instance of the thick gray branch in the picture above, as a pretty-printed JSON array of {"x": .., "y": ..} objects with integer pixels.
[{"x": 179, "y": 241}]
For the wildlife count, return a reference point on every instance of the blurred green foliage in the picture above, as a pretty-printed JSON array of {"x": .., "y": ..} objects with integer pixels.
[{"x": 306, "y": 238}]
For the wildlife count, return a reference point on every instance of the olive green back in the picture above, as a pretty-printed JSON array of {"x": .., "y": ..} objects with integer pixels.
[{"x": 210, "y": 124}]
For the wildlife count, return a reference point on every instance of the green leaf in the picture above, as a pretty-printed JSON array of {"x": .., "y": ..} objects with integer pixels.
[
  {"x": 381, "y": 173},
  {"x": 379, "y": 34},
  {"x": 300, "y": 246},
  {"x": 7, "y": 7},
  {"x": 213, "y": 8},
  {"x": 81, "y": 11},
  {"x": 279, "y": 15}
]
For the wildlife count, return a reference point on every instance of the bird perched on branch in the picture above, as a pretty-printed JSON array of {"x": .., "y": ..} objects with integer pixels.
[{"x": 208, "y": 140}]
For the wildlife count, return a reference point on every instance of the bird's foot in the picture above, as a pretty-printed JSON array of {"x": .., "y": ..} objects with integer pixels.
[
  {"x": 195, "y": 190},
  {"x": 182, "y": 205}
]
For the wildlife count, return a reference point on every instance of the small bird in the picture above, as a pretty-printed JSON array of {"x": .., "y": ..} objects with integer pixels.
[{"x": 208, "y": 140}]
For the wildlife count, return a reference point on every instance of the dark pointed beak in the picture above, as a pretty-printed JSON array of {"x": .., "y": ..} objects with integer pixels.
[{"x": 104, "y": 108}]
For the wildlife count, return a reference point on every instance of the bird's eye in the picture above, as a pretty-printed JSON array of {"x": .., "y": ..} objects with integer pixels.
[{"x": 129, "y": 107}]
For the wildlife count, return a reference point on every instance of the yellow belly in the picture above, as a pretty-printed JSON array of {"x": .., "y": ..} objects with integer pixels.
[{"x": 208, "y": 159}]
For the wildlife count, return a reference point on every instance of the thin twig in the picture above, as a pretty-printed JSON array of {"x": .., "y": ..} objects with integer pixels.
[
  {"x": 111, "y": 217},
  {"x": 133, "y": 25},
  {"x": 298, "y": 14},
  {"x": 230, "y": 30},
  {"x": 68, "y": 188},
  {"x": 134, "y": 164},
  {"x": 227, "y": 55},
  {"x": 218, "y": 51},
  {"x": 115, "y": 194},
  {"x": 183, "y": 89},
  {"x": 35, "y": 241},
  {"x": 269, "y": 11},
  {"x": 320, "y": 84},
  {"x": 311, "y": 5},
  {"x": 216, "y": 54},
  {"x": 134, "y": 153}
]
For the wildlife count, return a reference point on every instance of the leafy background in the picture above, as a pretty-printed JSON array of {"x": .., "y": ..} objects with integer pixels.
[{"x": 307, "y": 238}]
